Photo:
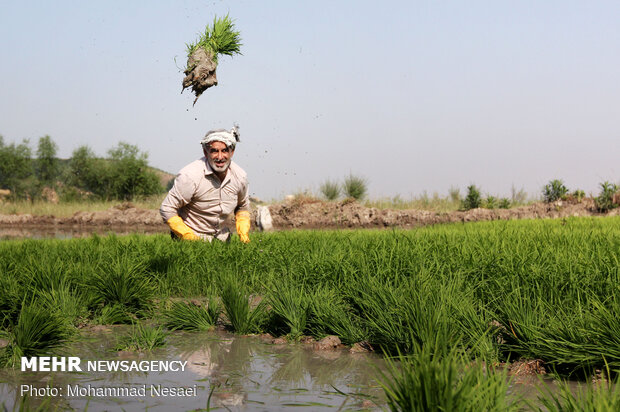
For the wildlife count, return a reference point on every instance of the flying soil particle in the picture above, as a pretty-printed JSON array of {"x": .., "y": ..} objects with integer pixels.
[{"x": 200, "y": 72}]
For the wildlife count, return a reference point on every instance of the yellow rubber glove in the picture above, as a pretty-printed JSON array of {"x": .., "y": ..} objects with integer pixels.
[
  {"x": 178, "y": 226},
  {"x": 242, "y": 221}
]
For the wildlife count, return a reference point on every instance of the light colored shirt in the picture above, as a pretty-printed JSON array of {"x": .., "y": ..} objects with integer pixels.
[{"x": 202, "y": 201}]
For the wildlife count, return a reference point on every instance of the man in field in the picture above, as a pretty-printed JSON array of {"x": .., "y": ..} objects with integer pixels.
[{"x": 207, "y": 191}]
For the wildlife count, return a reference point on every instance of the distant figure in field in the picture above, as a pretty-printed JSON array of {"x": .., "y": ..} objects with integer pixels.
[{"x": 207, "y": 191}]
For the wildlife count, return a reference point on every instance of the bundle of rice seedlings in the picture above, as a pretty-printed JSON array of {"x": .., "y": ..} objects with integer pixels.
[
  {"x": 37, "y": 332},
  {"x": 243, "y": 319},
  {"x": 429, "y": 382},
  {"x": 594, "y": 397},
  {"x": 189, "y": 316},
  {"x": 329, "y": 315},
  {"x": 122, "y": 282},
  {"x": 142, "y": 338},
  {"x": 291, "y": 305},
  {"x": 202, "y": 55}
]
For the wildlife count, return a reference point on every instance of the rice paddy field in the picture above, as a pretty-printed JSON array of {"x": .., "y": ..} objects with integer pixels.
[{"x": 448, "y": 308}]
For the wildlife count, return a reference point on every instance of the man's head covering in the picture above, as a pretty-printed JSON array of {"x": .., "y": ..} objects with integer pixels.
[{"x": 228, "y": 137}]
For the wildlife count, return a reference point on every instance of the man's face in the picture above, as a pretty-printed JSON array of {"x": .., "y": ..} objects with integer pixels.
[{"x": 219, "y": 156}]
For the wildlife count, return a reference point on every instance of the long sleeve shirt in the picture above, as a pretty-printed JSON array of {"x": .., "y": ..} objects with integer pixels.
[{"x": 202, "y": 201}]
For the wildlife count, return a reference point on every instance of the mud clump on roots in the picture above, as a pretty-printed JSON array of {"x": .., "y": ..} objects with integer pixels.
[{"x": 200, "y": 73}]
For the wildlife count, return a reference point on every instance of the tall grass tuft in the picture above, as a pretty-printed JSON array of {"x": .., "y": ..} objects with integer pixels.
[
  {"x": 38, "y": 332},
  {"x": 236, "y": 300},
  {"x": 330, "y": 315},
  {"x": 189, "y": 316},
  {"x": 355, "y": 187},
  {"x": 142, "y": 338},
  {"x": 330, "y": 190},
  {"x": 429, "y": 382}
]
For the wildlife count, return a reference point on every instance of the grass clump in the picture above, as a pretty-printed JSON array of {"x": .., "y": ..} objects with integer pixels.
[
  {"x": 192, "y": 317},
  {"x": 142, "y": 338},
  {"x": 330, "y": 190},
  {"x": 355, "y": 187}
]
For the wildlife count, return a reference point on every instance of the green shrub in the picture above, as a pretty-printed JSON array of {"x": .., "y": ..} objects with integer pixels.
[
  {"x": 504, "y": 203},
  {"x": 554, "y": 190},
  {"x": 578, "y": 195},
  {"x": 355, "y": 187},
  {"x": 490, "y": 202},
  {"x": 472, "y": 200},
  {"x": 605, "y": 200},
  {"x": 331, "y": 190}
]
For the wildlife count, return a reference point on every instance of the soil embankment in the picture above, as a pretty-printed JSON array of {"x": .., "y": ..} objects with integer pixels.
[{"x": 311, "y": 214}]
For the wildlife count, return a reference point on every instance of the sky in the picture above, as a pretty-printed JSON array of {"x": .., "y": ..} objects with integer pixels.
[{"x": 413, "y": 96}]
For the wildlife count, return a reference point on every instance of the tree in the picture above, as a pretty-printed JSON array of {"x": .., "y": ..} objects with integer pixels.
[
  {"x": 130, "y": 176},
  {"x": 15, "y": 165},
  {"x": 47, "y": 163}
]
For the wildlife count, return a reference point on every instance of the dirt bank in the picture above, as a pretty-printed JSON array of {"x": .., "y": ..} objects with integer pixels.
[{"x": 313, "y": 214}]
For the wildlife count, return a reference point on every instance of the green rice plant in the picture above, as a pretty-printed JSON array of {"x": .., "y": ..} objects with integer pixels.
[
  {"x": 236, "y": 300},
  {"x": 355, "y": 187},
  {"x": 554, "y": 190},
  {"x": 142, "y": 338},
  {"x": 594, "y": 397},
  {"x": 605, "y": 200},
  {"x": 472, "y": 200},
  {"x": 429, "y": 382},
  {"x": 290, "y": 303},
  {"x": 330, "y": 315},
  {"x": 11, "y": 300},
  {"x": 122, "y": 281},
  {"x": 68, "y": 303},
  {"x": 113, "y": 314},
  {"x": 189, "y": 316},
  {"x": 218, "y": 38},
  {"x": 37, "y": 332},
  {"x": 330, "y": 190}
]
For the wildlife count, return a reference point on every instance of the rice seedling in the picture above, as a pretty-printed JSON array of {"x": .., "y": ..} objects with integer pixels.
[
  {"x": 141, "y": 338},
  {"x": 290, "y": 303},
  {"x": 592, "y": 397},
  {"x": 68, "y": 303},
  {"x": 37, "y": 332},
  {"x": 189, "y": 316},
  {"x": 242, "y": 317},
  {"x": 330, "y": 315},
  {"x": 427, "y": 381},
  {"x": 122, "y": 282}
]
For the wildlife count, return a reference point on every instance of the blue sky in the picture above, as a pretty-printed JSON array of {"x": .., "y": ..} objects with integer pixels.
[{"x": 413, "y": 96}]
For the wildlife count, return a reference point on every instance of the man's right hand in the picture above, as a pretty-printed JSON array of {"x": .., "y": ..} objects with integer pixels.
[{"x": 178, "y": 226}]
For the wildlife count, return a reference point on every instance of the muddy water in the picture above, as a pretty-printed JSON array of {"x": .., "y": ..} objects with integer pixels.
[{"x": 240, "y": 373}]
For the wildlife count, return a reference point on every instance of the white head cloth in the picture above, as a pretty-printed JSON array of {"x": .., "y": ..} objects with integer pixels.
[{"x": 229, "y": 138}]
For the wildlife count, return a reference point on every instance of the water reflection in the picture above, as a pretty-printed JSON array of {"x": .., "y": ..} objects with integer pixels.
[{"x": 239, "y": 373}]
